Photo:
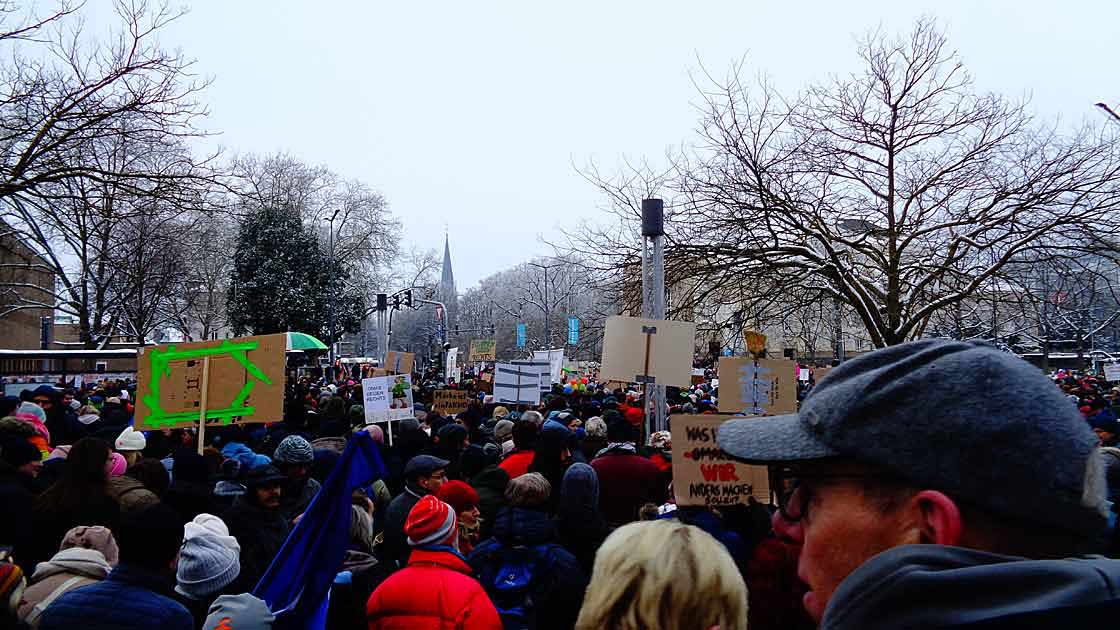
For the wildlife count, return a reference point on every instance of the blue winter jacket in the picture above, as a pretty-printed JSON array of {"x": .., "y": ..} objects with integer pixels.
[{"x": 127, "y": 599}]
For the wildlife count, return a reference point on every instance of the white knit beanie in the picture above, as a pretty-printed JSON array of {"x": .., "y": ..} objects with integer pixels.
[
  {"x": 130, "y": 440},
  {"x": 210, "y": 525}
]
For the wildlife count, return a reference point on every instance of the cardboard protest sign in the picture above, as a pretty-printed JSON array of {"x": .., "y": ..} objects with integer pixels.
[
  {"x": 1112, "y": 372},
  {"x": 703, "y": 474},
  {"x": 244, "y": 383},
  {"x": 387, "y": 397},
  {"x": 757, "y": 386},
  {"x": 648, "y": 351},
  {"x": 483, "y": 350},
  {"x": 399, "y": 362},
  {"x": 448, "y": 402},
  {"x": 519, "y": 384},
  {"x": 555, "y": 360}
]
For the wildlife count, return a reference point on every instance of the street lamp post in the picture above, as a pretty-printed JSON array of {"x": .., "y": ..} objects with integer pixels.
[{"x": 330, "y": 293}]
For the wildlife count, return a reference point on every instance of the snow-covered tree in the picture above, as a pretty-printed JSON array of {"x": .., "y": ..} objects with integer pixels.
[{"x": 283, "y": 281}]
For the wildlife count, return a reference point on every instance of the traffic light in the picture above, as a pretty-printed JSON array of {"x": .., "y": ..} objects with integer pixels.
[
  {"x": 396, "y": 302},
  {"x": 382, "y": 302},
  {"x": 408, "y": 298}
]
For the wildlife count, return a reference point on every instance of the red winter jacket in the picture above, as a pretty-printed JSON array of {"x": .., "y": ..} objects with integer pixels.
[{"x": 435, "y": 591}]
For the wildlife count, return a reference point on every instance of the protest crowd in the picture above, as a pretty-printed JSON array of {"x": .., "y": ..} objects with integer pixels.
[{"x": 933, "y": 484}]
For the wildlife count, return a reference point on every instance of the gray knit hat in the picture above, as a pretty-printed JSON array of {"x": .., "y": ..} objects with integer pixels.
[
  {"x": 206, "y": 565},
  {"x": 294, "y": 450},
  {"x": 981, "y": 425},
  {"x": 239, "y": 612}
]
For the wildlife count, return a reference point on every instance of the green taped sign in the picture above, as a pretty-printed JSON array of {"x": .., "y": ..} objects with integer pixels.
[{"x": 245, "y": 383}]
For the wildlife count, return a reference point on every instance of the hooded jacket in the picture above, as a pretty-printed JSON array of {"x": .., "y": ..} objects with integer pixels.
[
  {"x": 937, "y": 586},
  {"x": 579, "y": 523},
  {"x": 86, "y": 566}
]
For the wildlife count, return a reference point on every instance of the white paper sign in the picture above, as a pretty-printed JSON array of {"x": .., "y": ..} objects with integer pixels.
[
  {"x": 452, "y": 364},
  {"x": 555, "y": 360},
  {"x": 803, "y": 374},
  {"x": 519, "y": 383},
  {"x": 1112, "y": 372},
  {"x": 387, "y": 397}
]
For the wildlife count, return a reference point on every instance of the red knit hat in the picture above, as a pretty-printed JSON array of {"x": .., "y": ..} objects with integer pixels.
[
  {"x": 431, "y": 522},
  {"x": 459, "y": 495}
]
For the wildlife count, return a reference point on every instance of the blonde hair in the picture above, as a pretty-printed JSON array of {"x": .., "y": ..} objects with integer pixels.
[{"x": 663, "y": 574}]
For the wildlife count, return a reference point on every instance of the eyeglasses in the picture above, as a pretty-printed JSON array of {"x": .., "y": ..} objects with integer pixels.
[{"x": 794, "y": 494}]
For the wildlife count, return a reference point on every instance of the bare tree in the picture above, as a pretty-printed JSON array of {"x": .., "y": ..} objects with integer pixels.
[
  {"x": 94, "y": 135},
  {"x": 898, "y": 191},
  {"x": 365, "y": 234}
]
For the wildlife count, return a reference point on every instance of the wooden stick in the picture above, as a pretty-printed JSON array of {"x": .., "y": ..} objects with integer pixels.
[{"x": 202, "y": 403}]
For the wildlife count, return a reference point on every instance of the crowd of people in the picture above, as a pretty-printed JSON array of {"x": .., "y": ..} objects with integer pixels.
[{"x": 929, "y": 485}]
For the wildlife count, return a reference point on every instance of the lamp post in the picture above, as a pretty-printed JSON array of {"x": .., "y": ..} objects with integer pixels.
[{"x": 330, "y": 293}]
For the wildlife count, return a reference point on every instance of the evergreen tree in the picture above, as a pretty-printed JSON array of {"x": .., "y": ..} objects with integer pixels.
[{"x": 282, "y": 280}]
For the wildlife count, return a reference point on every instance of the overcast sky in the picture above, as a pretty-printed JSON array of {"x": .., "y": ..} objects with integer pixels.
[{"x": 470, "y": 114}]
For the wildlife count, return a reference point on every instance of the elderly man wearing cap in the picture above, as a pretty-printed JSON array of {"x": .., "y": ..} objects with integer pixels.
[
  {"x": 423, "y": 475},
  {"x": 256, "y": 521},
  {"x": 937, "y": 484}
]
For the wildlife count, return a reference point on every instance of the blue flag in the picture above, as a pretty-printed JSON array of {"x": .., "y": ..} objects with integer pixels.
[{"x": 296, "y": 584}]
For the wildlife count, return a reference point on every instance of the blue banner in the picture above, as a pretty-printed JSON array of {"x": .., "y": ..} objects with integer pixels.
[
  {"x": 521, "y": 335},
  {"x": 295, "y": 586},
  {"x": 573, "y": 331}
]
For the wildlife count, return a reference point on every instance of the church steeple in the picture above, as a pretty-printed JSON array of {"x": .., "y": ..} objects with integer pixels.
[{"x": 447, "y": 292}]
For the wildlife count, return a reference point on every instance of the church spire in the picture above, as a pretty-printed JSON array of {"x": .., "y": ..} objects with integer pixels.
[{"x": 447, "y": 292}]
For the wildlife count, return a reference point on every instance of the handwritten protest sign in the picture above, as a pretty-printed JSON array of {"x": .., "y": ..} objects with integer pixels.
[
  {"x": 387, "y": 397},
  {"x": 757, "y": 386},
  {"x": 648, "y": 351},
  {"x": 483, "y": 350},
  {"x": 226, "y": 381},
  {"x": 399, "y": 362},
  {"x": 703, "y": 474},
  {"x": 448, "y": 402}
]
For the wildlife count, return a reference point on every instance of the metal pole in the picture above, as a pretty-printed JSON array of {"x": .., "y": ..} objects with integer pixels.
[
  {"x": 330, "y": 301},
  {"x": 547, "y": 323},
  {"x": 653, "y": 306}
]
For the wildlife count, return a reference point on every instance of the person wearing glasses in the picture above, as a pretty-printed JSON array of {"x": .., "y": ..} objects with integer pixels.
[
  {"x": 423, "y": 475},
  {"x": 939, "y": 484}
]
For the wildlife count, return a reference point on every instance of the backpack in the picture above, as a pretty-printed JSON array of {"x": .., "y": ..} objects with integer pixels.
[{"x": 516, "y": 578}]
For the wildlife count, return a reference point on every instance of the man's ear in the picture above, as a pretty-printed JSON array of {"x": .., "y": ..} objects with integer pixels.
[{"x": 940, "y": 518}]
